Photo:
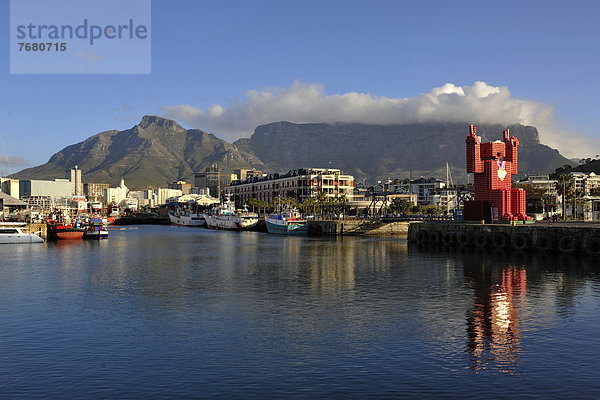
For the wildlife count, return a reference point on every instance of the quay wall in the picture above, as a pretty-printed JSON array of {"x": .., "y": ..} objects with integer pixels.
[
  {"x": 545, "y": 238},
  {"x": 39, "y": 229},
  {"x": 358, "y": 227}
]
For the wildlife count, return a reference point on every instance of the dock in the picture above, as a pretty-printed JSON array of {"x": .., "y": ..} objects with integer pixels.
[
  {"x": 364, "y": 227},
  {"x": 564, "y": 238}
]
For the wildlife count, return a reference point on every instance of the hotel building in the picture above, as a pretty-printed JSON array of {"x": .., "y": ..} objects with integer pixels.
[{"x": 299, "y": 184}]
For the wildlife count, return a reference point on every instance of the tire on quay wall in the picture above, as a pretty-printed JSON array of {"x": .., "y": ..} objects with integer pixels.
[
  {"x": 546, "y": 243},
  {"x": 521, "y": 242},
  {"x": 464, "y": 238},
  {"x": 482, "y": 240},
  {"x": 568, "y": 244},
  {"x": 435, "y": 238},
  {"x": 448, "y": 238},
  {"x": 500, "y": 240},
  {"x": 422, "y": 237},
  {"x": 592, "y": 246}
]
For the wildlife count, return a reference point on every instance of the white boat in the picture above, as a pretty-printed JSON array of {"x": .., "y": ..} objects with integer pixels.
[
  {"x": 288, "y": 222},
  {"x": 15, "y": 233},
  {"x": 183, "y": 218},
  {"x": 225, "y": 216}
]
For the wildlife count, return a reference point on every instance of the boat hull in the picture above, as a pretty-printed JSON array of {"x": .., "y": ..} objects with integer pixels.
[
  {"x": 69, "y": 235},
  {"x": 280, "y": 227},
  {"x": 195, "y": 220},
  {"x": 20, "y": 238},
  {"x": 95, "y": 235},
  {"x": 233, "y": 223}
]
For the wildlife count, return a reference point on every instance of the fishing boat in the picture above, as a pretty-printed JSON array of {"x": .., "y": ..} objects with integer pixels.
[
  {"x": 96, "y": 230},
  {"x": 186, "y": 218},
  {"x": 11, "y": 233},
  {"x": 288, "y": 222},
  {"x": 64, "y": 232},
  {"x": 226, "y": 216}
]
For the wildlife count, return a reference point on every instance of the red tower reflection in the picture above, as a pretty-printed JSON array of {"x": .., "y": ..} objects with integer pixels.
[{"x": 493, "y": 327}]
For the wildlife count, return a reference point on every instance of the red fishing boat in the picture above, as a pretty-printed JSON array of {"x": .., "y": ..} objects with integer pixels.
[{"x": 64, "y": 232}]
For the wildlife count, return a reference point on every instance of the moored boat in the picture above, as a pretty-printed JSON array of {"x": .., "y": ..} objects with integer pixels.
[
  {"x": 96, "y": 230},
  {"x": 186, "y": 218},
  {"x": 225, "y": 216},
  {"x": 288, "y": 222},
  {"x": 12, "y": 233},
  {"x": 64, "y": 232}
]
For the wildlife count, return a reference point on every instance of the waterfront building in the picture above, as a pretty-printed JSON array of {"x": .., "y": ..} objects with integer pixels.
[
  {"x": 181, "y": 185},
  {"x": 587, "y": 183},
  {"x": 57, "y": 189},
  {"x": 587, "y": 191},
  {"x": 548, "y": 200},
  {"x": 95, "y": 191},
  {"x": 10, "y": 204},
  {"x": 116, "y": 195},
  {"x": 74, "y": 175},
  {"x": 541, "y": 182},
  {"x": 445, "y": 199},
  {"x": 9, "y": 186},
  {"x": 153, "y": 197},
  {"x": 299, "y": 184},
  {"x": 209, "y": 179},
  {"x": 424, "y": 188},
  {"x": 39, "y": 203},
  {"x": 200, "y": 191}
]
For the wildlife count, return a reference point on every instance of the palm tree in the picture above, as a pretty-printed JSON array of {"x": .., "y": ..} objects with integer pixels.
[
  {"x": 564, "y": 187},
  {"x": 309, "y": 202},
  {"x": 342, "y": 200},
  {"x": 578, "y": 200},
  {"x": 253, "y": 203},
  {"x": 321, "y": 200}
]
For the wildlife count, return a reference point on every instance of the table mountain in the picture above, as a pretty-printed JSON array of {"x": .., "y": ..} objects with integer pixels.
[
  {"x": 382, "y": 151},
  {"x": 152, "y": 153},
  {"x": 157, "y": 151}
]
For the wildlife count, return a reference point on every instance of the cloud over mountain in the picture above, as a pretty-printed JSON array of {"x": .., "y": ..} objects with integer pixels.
[{"x": 303, "y": 103}]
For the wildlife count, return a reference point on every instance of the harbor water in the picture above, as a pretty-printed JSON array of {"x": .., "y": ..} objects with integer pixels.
[{"x": 175, "y": 312}]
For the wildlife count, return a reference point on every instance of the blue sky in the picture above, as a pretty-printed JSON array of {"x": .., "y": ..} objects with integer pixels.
[{"x": 545, "y": 56}]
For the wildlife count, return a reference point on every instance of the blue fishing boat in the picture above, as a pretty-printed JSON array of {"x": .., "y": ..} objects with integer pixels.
[{"x": 288, "y": 222}]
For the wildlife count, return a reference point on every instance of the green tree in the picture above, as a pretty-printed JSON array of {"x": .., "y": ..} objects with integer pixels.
[
  {"x": 431, "y": 209},
  {"x": 401, "y": 206}
]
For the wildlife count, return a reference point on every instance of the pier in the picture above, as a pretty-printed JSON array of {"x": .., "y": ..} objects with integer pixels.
[
  {"x": 565, "y": 238},
  {"x": 365, "y": 227}
]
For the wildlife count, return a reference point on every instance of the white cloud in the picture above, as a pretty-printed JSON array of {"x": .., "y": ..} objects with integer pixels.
[{"x": 303, "y": 103}]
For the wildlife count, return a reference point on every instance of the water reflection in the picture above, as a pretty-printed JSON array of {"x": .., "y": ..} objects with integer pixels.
[{"x": 494, "y": 339}]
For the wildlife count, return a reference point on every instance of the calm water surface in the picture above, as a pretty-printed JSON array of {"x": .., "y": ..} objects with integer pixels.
[{"x": 157, "y": 312}]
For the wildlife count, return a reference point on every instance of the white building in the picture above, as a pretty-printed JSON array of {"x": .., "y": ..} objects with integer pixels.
[
  {"x": 116, "y": 195},
  {"x": 586, "y": 182},
  {"x": 58, "y": 189},
  {"x": 10, "y": 186},
  {"x": 424, "y": 188},
  {"x": 76, "y": 183},
  {"x": 153, "y": 197},
  {"x": 200, "y": 199}
]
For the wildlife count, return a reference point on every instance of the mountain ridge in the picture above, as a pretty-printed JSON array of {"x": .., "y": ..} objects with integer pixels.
[{"x": 159, "y": 150}]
